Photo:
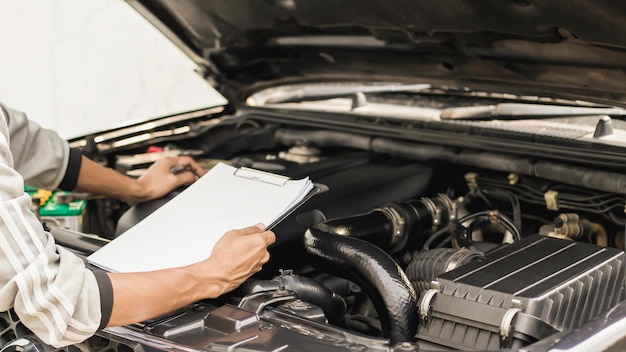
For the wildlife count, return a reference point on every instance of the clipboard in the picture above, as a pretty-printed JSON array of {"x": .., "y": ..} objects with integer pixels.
[
  {"x": 184, "y": 230},
  {"x": 260, "y": 176},
  {"x": 276, "y": 180},
  {"x": 315, "y": 190}
]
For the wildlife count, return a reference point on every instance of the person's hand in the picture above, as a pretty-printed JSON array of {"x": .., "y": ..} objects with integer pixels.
[
  {"x": 159, "y": 179},
  {"x": 235, "y": 257}
]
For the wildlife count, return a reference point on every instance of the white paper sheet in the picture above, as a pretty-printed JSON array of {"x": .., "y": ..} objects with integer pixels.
[{"x": 185, "y": 229}]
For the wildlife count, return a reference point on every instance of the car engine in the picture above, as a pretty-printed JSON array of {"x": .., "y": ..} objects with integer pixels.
[{"x": 409, "y": 247}]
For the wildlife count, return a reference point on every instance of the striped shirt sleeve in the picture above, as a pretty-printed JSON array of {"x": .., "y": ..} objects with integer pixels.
[
  {"x": 39, "y": 155},
  {"x": 49, "y": 288}
]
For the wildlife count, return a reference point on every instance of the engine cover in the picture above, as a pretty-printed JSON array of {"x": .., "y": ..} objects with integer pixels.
[{"x": 521, "y": 293}]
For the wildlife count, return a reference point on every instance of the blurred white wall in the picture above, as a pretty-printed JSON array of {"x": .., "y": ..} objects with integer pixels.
[{"x": 78, "y": 66}]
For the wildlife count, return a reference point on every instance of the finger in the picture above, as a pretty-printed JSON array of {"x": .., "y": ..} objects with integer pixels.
[
  {"x": 250, "y": 230},
  {"x": 193, "y": 166},
  {"x": 266, "y": 258},
  {"x": 269, "y": 237},
  {"x": 197, "y": 169},
  {"x": 186, "y": 178},
  {"x": 260, "y": 226}
]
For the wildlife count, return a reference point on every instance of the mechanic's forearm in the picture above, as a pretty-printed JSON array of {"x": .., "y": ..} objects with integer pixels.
[
  {"x": 141, "y": 296},
  {"x": 156, "y": 182},
  {"x": 97, "y": 179}
]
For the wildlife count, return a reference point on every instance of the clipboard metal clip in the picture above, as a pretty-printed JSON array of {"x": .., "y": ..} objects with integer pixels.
[{"x": 261, "y": 176}]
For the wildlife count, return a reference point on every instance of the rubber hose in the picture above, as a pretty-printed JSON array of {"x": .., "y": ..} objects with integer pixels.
[
  {"x": 311, "y": 291},
  {"x": 578, "y": 176},
  {"x": 599, "y": 233},
  {"x": 378, "y": 274},
  {"x": 290, "y": 136},
  {"x": 306, "y": 289},
  {"x": 374, "y": 227},
  {"x": 377, "y": 226}
]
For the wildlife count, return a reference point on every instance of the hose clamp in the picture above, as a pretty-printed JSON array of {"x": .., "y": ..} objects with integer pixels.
[
  {"x": 506, "y": 325},
  {"x": 425, "y": 304},
  {"x": 450, "y": 206},
  {"x": 434, "y": 210},
  {"x": 397, "y": 238}
]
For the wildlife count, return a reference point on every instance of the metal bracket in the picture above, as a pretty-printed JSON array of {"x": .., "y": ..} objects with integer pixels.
[
  {"x": 552, "y": 200},
  {"x": 472, "y": 182},
  {"x": 256, "y": 302}
]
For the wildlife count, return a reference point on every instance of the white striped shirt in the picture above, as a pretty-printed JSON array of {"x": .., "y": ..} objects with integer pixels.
[{"x": 49, "y": 288}]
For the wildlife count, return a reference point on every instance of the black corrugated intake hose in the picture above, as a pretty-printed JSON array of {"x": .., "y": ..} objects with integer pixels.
[
  {"x": 377, "y": 273},
  {"x": 428, "y": 265}
]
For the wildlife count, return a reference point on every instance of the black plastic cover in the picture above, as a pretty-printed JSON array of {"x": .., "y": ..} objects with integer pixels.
[{"x": 521, "y": 292}]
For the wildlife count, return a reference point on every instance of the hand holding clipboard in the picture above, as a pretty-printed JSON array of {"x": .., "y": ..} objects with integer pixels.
[{"x": 184, "y": 230}]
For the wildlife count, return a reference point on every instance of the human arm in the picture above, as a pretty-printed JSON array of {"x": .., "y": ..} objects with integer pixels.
[
  {"x": 236, "y": 256},
  {"x": 50, "y": 289},
  {"x": 44, "y": 160},
  {"x": 156, "y": 182}
]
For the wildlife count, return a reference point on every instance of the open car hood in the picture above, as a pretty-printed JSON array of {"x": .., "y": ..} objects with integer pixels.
[
  {"x": 574, "y": 50},
  {"x": 471, "y": 180}
]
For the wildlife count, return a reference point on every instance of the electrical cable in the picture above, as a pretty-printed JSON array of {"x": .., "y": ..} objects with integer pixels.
[
  {"x": 481, "y": 219},
  {"x": 436, "y": 235}
]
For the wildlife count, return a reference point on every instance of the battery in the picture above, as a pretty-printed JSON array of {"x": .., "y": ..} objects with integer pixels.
[{"x": 47, "y": 205}]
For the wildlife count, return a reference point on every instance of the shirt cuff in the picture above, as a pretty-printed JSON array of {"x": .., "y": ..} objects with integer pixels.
[
  {"x": 70, "y": 179},
  {"x": 106, "y": 296}
]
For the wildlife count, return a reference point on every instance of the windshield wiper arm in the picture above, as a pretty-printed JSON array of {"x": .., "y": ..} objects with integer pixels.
[
  {"x": 519, "y": 111},
  {"x": 311, "y": 93}
]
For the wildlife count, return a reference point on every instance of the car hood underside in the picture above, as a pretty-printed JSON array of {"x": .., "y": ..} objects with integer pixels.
[{"x": 537, "y": 46}]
